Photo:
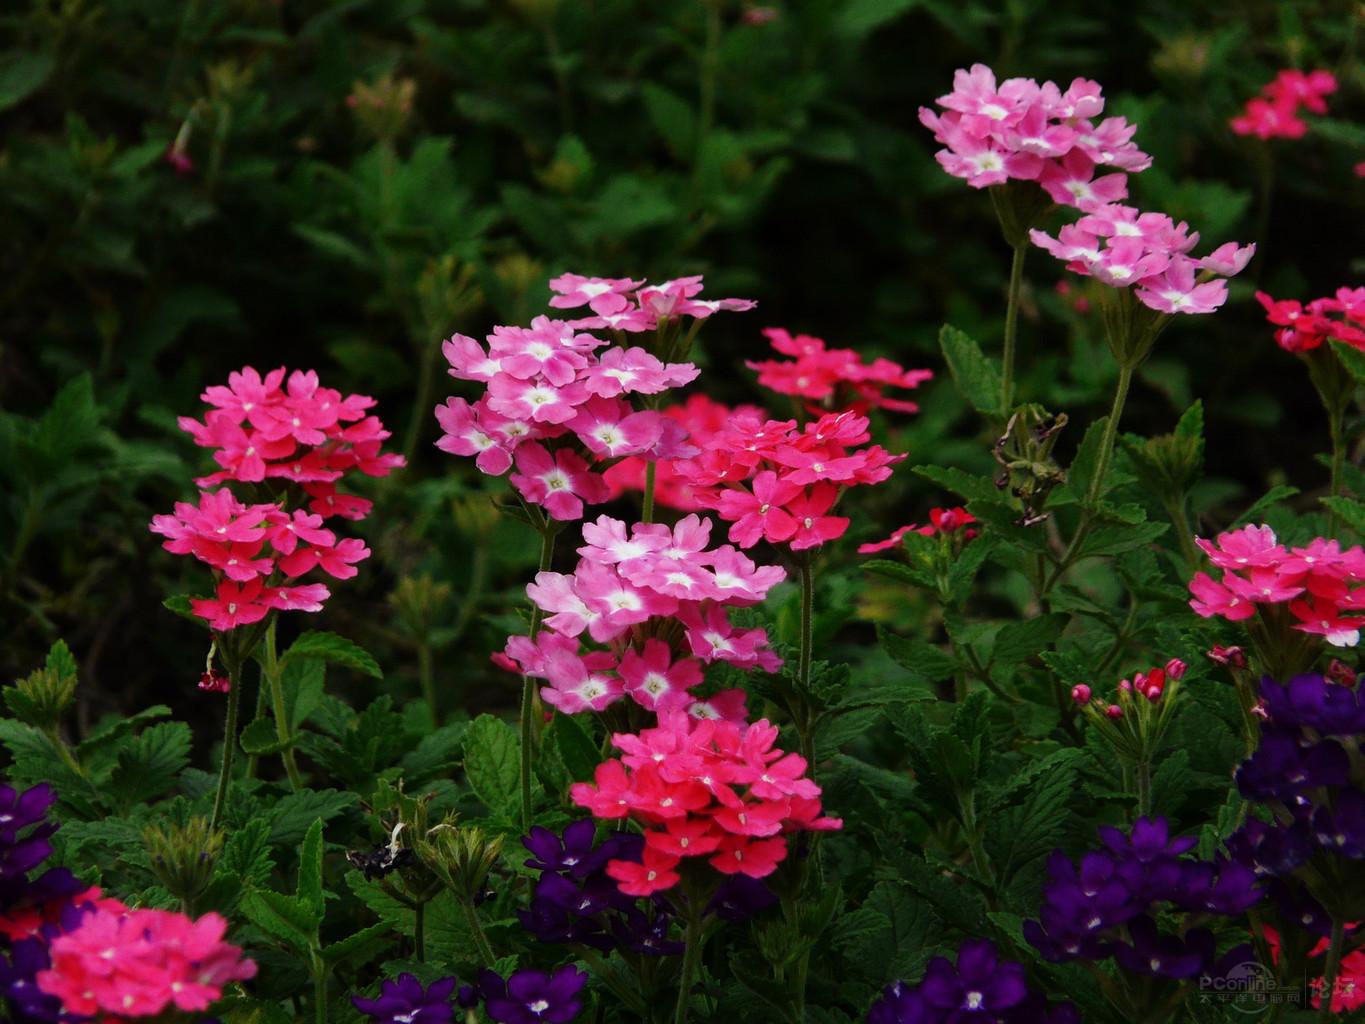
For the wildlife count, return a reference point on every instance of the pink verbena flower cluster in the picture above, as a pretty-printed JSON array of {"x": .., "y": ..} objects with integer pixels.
[
  {"x": 303, "y": 439},
  {"x": 1124, "y": 247},
  {"x": 703, "y": 418},
  {"x": 139, "y": 963},
  {"x": 1275, "y": 113},
  {"x": 631, "y": 591},
  {"x": 711, "y": 789},
  {"x": 1306, "y": 326},
  {"x": 943, "y": 522},
  {"x": 297, "y": 432},
  {"x": 1150, "y": 685},
  {"x": 1029, "y": 132},
  {"x": 774, "y": 481},
  {"x": 548, "y": 384},
  {"x": 1319, "y": 583},
  {"x": 834, "y": 378}
]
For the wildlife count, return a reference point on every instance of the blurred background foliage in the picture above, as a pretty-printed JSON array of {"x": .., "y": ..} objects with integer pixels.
[{"x": 186, "y": 188}]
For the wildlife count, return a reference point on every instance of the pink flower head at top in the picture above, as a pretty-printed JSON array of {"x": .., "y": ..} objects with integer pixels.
[
  {"x": 1303, "y": 327},
  {"x": 834, "y": 378},
  {"x": 703, "y": 788},
  {"x": 631, "y": 589},
  {"x": 1023, "y": 131},
  {"x": 1275, "y": 113},
  {"x": 140, "y": 963},
  {"x": 558, "y": 399},
  {"x": 1318, "y": 583},
  {"x": 303, "y": 437},
  {"x": 776, "y": 482},
  {"x": 1124, "y": 247}
]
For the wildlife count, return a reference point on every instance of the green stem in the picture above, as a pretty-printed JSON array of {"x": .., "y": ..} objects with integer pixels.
[
  {"x": 1175, "y": 511},
  {"x": 1142, "y": 779},
  {"x": 647, "y": 512},
  {"x": 424, "y": 673},
  {"x": 471, "y": 916},
  {"x": 262, "y": 705},
  {"x": 271, "y": 667},
  {"x": 807, "y": 620},
  {"x": 1096, "y": 488},
  {"x": 528, "y": 686},
  {"x": 710, "y": 61},
  {"x": 319, "y": 990},
  {"x": 1329, "y": 975},
  {"x": 421, "y": 410},
  {"x": 419, "y": 932},
  {"x": 229, "y": 744},
  {"x": 691, "y": 962},
  {"x": 1336, "y": 424},
  {"x": 1012, "y": 326}
]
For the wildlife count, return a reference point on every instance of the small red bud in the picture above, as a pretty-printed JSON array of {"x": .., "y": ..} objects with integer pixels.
[
  {"x": 1080, "y": 693},
  {"x": 213, "y": 681},
  {"x": 1175, "y": 669},
  {"x": 1126, "y": 687},
  {"x": 1114, "y": 711},
  {"x": 1340, "y": 672},
  {"x": 1232, "y": 657}
]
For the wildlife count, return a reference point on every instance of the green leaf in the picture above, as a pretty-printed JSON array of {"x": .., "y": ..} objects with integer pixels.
[
  {"x": 973, "y": 488},
  {"x": 1081, "y": 473},
  {"x": 899, "y": 572},
  {"x": 334, "y": 244},
  {"x": 1267, "y": 501},
  {"x": 310, "y": 889},
  {"x": 673, "y": 118},
  {"x": 294, "y": 814},
  {"x": 1114, "y": 540},
  {"x": 336, "y": 649},
  {"x": 262, "y": 738},
  {"x": 287, "y": 918},
  {"x": 1030, "y": 816},
  {"x": 492, "y": 763},
  {"x": 151, "y": 764},
  {"x": 367, "y": 943},
  {"x": 976, "y": 376},
  {"x": 21, "y": 75},
  {"x": 859, "y": 18},
  {"x": 580, "y": 753},
  {"x": 304, "y": 681},
  {"x": 1018, "y": 641},
  {"x": 923, "y": 659},
  {"x": 115, "y": 727},
  {"x": 180, "y": 604},
  {"x": 60, "y": 660}
]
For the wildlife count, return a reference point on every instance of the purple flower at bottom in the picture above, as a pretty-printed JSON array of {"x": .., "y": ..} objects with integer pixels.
[
  {"x": 532, "y": 997},
  {"x": 1164, "y": 956},
  {"x": 1342, "y": 829},
  {"x": 27, "y": 1004},
  {"x": 405, "y": 1001},
  {"x": 740, "y": 898},
  {"x": 901, "y": 1004},
  {"x": 1284, "y": 766},
  {"x": 979, "y": 989},
  {"x": 572, "y": 853},
  {"x": 1149, "y": 840}
]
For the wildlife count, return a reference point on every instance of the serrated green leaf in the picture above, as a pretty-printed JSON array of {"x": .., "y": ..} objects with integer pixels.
[
  {"x": 1021, "y": 640},
  {"x": 1256, "y": 512},
  {"x": 180, "y": 605},
  {"x": 899, "y": 572},
  {"x": 294, "y": 814},
  {"x": 923, "y": 659},
  {"x": 60, "y": 660},
  {"x": 1081, "y": 473},
  {"x": 262, "y": 738},
  {"x": 367, "y": 943},
  {"x": 21, "y": 75},
  {"x": 973, "y": 488},
  {"x": 1114, "y": 540},
  {"x": 335, "y": 649},
  {"x": 287, "y": 918},
  {"x": 310, "y": 889},
  {"x": 580, "y": 753},
  {"x": 151, "y": 764},
  {"x": 976, "y": 377},
  {"x": 492, "y": 763}
]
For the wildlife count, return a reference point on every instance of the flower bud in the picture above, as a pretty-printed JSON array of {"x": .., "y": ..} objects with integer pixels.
[
  {"x": 1126, "y": 687},
  {"x": 461, "y": 856},
  {"x": 42, "y": 698},
  {"x": 1340, "y": 672},
  {"x": 183, "y": 856},
  {"x": 1114, "y": 711},
  {"x": 1080, "y": 693},
  {"x": 1153, "y": 684},
  {"x": 1232, "y": 657},
  {"x": 1175, "y": 669},
  {"x": 213, "y": 681}
]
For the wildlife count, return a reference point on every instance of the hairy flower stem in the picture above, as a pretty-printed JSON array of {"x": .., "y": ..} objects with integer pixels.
[
  {"x": 1175, "y": 512},
  {"x": 234, "y": 700},
  {"x": 319, "y": 989},
  {"x": 1142, "y": 778},
  {"x": 471, "y": 916},
  {"x": 1329, "y": 974},
  {"x": 528, "y": 686},
  {"x": 1011, "y": 327},
  {"x": 1336, "y": 423},
  {"x": 1096, "y": 488},
  {"x": 691, "y": 960},
  {"x": 419, "y": 932},
  {"x": 271, "y": 667},
  {"x": 807, "y": 620},
  {"x": 647, "y": 511}
]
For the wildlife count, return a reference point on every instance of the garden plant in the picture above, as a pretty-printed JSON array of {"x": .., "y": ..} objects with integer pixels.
[{"x": 700, "y": 511}]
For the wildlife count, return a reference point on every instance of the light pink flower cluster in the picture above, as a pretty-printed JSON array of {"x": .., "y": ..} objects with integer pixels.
[
  {"x": 711, "y": 789},
  {"x": 1124, "y": 247},
  {"x": 1275, "y": 113},
  {"x": 834, "y": 378},
  {"x": 1319, "y": 582},
  {"x": 1029, "y": 132},
  {"x": 703, "y": 418},
  {"x": 774, "y": 481},
  {"x": 548, "y": 383},
  {"x": 296, "y": 432},
  {"x": 1305, "y": 326},
  {"x": 140, "y": 963},
  {"x": 637, "y": 592},
  {"x": 269, "y": 435}
]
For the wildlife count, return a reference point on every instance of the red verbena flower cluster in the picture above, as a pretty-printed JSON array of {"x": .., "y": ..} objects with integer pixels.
[
  {"x": 299, "y": 439},
  {"x": 1305, "y": 326},
  {"x": 942, "y": 522},
  {"x": 1025, "y": 131},
  {"x": 703, "y": 418},
  {"x": 553, "y": 401},
  {"x": 632, "y": 589},
  {"x": 711, "y": 789},
  {"x": 1319, "y": 582},
  {"x": 139, "y": 963},
  {"x": 834, "y": 378},
  {"x": 1149, "y": 685},
  {"x": 774, "y": 481},
  {"x": 1275, "y": 113}
]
